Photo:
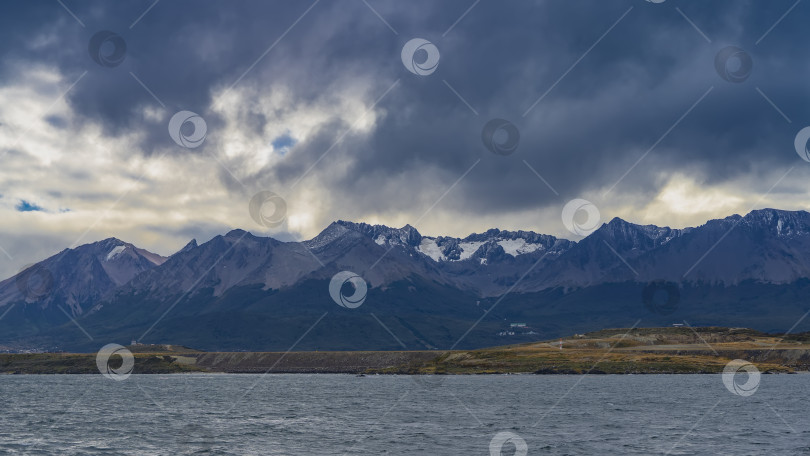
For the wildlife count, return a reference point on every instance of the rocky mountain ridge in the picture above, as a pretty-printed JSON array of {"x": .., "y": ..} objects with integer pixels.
[{"x": 439, "y": 281}]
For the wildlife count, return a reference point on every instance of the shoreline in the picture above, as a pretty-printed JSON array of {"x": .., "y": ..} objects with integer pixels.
[{"x": 641, "y": 351}]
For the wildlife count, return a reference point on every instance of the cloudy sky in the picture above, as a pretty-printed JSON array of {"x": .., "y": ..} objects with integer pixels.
[{"x": 640, "y": 107}]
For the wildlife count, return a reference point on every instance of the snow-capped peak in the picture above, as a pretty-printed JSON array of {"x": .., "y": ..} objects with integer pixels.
[
  {"x": 518, "y": 246},
  {"x": 496, "y": 242},
  {"x": 513, "y": 243}
]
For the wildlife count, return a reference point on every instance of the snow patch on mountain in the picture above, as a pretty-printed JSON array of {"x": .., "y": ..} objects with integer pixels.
[
  {"x": 429, "y": 248},
  {"x": 117, "y": 250},
  {"x": 518, "y": 246},
  {"x": 468, "y": 249}
]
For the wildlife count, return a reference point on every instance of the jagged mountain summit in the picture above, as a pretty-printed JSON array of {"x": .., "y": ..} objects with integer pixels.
[
  {"x": 76, "y": 278},
  {"x": 767, "y": 245},
  {"x": 475, "y": 246},
  {"x": 243, "y": 291}
]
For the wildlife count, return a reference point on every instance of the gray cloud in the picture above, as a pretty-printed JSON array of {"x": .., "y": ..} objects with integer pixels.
[{"x": 587, "y": 131}]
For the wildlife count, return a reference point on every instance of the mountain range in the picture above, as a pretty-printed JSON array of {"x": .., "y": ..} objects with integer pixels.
[{"x": 239, "y": 291}]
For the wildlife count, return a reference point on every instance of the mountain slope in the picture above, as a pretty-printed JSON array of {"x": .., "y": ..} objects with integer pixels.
[
  {"x": 75, "y": 278},
  {"x": 240, "y": 291},
  {"x": 768, "y": 245},
  {"x": 69, "y": 284}
]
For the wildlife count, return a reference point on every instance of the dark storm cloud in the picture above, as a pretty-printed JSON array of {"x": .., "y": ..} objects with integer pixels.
[
  {"x": 501, "y": 57},
  {"x": 609, "y": 110}
]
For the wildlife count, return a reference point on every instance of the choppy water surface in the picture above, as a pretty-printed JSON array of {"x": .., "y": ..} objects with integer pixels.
[{"x": 343, "y": 414}]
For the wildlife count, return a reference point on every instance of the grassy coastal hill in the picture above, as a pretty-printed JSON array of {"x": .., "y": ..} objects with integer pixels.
[
  {"x": 638, "y": 351},
  {"x": 612, "y": 351}
]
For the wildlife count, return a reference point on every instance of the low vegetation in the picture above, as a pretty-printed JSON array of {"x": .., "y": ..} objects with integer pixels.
[{"x": 680, "y": 350}]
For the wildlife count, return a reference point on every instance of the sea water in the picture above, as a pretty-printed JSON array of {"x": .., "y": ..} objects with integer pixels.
[{"x": 401, "y": 415}]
